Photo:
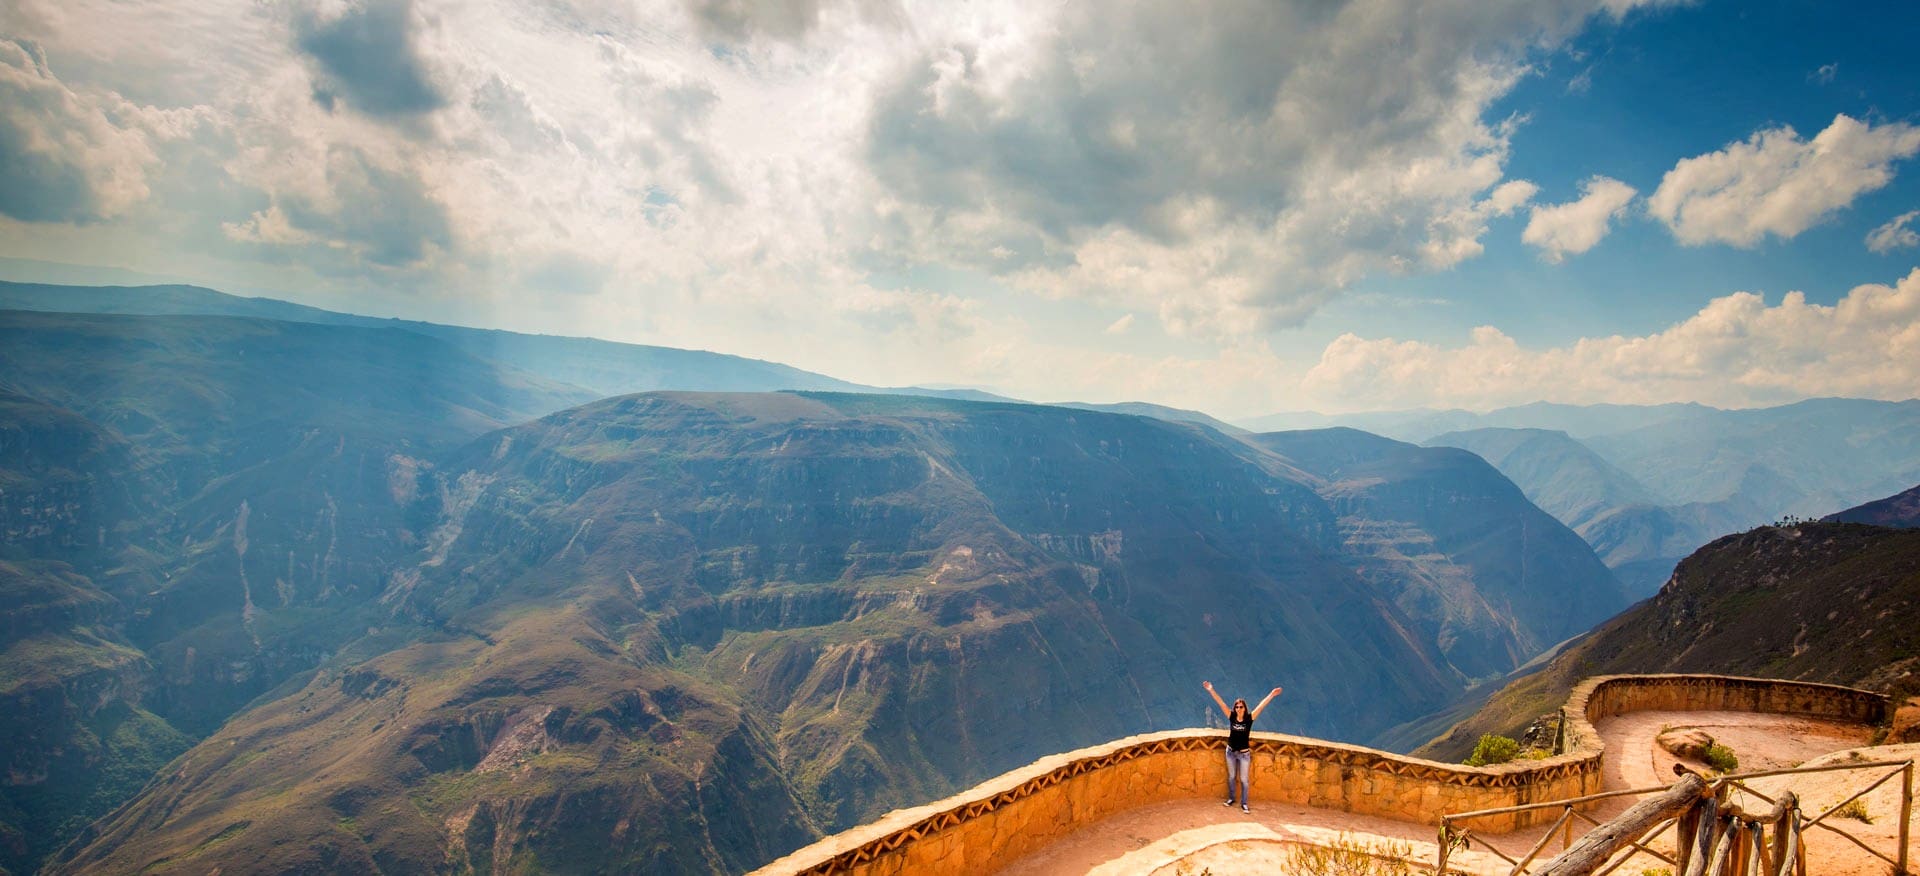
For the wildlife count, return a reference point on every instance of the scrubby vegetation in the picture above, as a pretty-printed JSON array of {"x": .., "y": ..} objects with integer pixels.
[
  {"x": 1722, "y": 758},
  {"x": 1493, "y": 748}
]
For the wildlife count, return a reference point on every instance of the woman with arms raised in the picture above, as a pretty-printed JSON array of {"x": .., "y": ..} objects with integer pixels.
[{"x": 1239, "y": 741}]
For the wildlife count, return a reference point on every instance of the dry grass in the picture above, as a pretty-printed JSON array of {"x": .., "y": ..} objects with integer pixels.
[{"x": 1347, "y": 856}]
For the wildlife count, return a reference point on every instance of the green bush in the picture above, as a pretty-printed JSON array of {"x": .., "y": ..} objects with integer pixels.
[
  {"x": 1492, "y": 749},
  {"x": 1722, "y": 758}
]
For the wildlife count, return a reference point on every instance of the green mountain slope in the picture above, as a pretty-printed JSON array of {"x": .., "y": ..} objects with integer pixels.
[
  {"x": 1828, "y": 602},
  {"x": 1900, "y": 510}
]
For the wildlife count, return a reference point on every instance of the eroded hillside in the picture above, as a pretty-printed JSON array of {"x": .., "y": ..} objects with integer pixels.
[{"x": 693, "y": 631}]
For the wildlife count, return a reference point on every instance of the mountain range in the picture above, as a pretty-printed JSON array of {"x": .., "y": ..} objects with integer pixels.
[
  {"x": 1680, "y": 476},
  {"x": 357, "y": 591},
  {"x": 403, "y": 596}
]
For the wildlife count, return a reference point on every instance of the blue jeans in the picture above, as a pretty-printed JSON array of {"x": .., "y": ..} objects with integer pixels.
[{"x": 1240, "y": 771}]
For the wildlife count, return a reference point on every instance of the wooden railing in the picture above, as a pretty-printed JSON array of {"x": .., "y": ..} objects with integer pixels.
[{"x": 1712, "y": 836}]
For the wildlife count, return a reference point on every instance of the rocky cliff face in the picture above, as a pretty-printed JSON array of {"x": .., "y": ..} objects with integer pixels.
[{"x": 1487, "y": 575}]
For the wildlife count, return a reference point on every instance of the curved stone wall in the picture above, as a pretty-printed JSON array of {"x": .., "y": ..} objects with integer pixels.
[
  {"x": 1609, "y": 695},
  {"x": 1024, "y": 810}
]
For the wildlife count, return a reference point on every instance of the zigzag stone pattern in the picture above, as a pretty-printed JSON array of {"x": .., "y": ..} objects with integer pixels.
[{"x": 1024, "y": 810}]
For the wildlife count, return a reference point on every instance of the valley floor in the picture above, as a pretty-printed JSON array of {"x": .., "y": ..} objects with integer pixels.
[{"x": 1194, "y": 836}]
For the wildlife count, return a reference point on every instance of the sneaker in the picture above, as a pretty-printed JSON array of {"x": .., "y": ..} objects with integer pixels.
[
  {"x": 1229, "y": 803},
  {"x": 1243, "y": 808}
]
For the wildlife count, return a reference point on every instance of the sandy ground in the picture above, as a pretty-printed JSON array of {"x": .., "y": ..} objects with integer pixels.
[{"x": 1182, "y": 837}]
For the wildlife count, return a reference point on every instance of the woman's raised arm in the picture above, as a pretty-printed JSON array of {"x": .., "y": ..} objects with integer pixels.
[
  {"x": 1217, "y": 700},
  {"x": 1263, "y": 703}
]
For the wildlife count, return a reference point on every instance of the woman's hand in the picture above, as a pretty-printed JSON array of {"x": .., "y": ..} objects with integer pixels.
[
  {"x": 1276, "y": 692},
  {"x": 1208, "y": 685}
]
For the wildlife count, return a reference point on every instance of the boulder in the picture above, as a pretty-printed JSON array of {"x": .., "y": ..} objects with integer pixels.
[
  {"x": 1685, "y": 743},
  {"x": 1906, "y": 723}
]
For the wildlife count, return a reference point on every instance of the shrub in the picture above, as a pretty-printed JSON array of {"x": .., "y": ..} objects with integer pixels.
[
  {"x": 1492, "y": 749},
  {"x": 1855, "y": 809},
  {"x": 1722, "y": 758}
]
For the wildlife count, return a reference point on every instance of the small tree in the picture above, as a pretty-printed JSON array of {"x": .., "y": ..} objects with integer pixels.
[{"x": 1492, "y": 749}]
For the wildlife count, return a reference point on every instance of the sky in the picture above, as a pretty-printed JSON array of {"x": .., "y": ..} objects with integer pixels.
[{"x": 1240, "y": 207}]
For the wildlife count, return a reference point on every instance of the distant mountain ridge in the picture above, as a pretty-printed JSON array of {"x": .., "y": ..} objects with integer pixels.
[
  {"x": 1561, "y": 475},
  {"x": 1680, "y": 476},
  {"x": 605, "y": 368}
]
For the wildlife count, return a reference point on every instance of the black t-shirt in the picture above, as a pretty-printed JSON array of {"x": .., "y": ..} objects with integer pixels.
[{"x": 1238, "y": 731}]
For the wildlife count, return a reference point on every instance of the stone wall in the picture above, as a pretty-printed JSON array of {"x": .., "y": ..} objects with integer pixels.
[
  {"x": 1609, "y": 695},
  {"x": 1025, "y": 810}
]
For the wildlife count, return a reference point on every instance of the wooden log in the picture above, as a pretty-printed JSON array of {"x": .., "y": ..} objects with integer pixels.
[
  {"x": 1723, "y": 850},
  {"x": 1788, "y": 810},
  {"x": 1789, "y": 848},
  {"x": 1683, "y": 830},
  {"x": 1602, "y": 842},
  {"x": 1704, "y": 838}
]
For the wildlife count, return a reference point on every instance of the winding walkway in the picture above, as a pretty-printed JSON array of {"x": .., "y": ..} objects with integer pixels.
[{"x": 1183, "y": 836}]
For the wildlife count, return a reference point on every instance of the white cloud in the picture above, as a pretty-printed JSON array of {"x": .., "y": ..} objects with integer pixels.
[
  {"x": 1120, "y": 326},
  {"x": 65, "y": 156},
  {"x": 1825, "y": 74},
  {"x": 751, "y": 177},
  {"x": 1559, "y": 230},
  {"x": 1776, "y": 183},
  {"x": 1233, "y": 170},
  {"x": 1735, "y": 351},
  {"x": 1894, "y": 235}
]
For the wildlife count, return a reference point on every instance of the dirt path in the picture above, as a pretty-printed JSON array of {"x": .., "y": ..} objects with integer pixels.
[{"x": 1192, "y": 836}]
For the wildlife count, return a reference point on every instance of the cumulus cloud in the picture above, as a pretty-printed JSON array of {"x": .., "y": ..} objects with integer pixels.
[
  {"x": 1233, "y": 169},
  {"x": 369, "y": 55},
  {"x": 63, "y": 156},
  {"x": 1559, "y": 230},
  {"x": 1894, "y": 235},
  {"x": 1776, "y": 183},
  {"x": 1735, "y": 351}
]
